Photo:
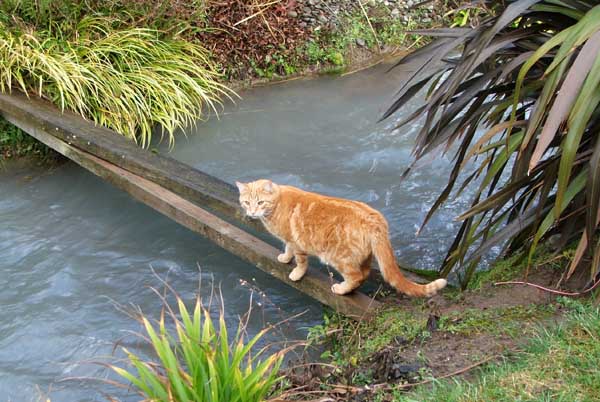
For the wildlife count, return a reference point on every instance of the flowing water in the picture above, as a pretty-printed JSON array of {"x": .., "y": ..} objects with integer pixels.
[{"x": 75, "y": 252}]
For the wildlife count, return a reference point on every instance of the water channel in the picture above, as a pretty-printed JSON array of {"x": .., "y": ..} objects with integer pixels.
[{"x": 75, "y": 252}]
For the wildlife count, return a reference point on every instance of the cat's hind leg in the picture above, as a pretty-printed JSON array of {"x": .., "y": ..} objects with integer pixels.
[
  {"x": 287, "y": 255},
  {"x": 301, "y": 266},
  {"x": 365, "y": 267},
  {"x": 353, "y": 277}
]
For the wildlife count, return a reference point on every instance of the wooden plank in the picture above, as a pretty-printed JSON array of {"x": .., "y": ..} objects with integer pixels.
[
  {"x": 315, "y": 284},
  {"x": 182, "y": 179},
  {"x": 196, "y": 186}
]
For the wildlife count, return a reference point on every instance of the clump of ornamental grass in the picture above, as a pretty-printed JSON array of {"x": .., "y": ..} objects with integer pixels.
[
  {"x": 198, "y": 362},
  {"x": 131, "y": 80}
]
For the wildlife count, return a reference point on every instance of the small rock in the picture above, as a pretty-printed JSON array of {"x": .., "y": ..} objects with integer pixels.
[
  {"x": 400, "y": 340},
  {"x": 292, "y": 14},
  {"x": 409, "y": 372},
  {"x": 307, "y": 10},
  {"x": 395, "y": 12},
  {"x": 361, "y": 42},
  {"x": 302, "y": 24},
  {"x": 555, "y": 241},
  {"x": 322, "y": 18},
  {"x": 432, "y": 322}
]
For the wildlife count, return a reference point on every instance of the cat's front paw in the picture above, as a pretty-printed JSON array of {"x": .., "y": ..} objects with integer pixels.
[
  {"x": 284, "y": 258},
  {"x": 297, "y": 274}
]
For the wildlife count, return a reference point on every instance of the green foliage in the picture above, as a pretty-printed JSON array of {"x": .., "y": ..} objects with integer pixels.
[
  {"x": 336, "y": 47},
  {"x": 468, "y": 15},
  {"x": 198, "y": 362},
  {"x": 559, "y": 364},
  {"x": 323, "y": 51},
  {"x": 168, "y": 17},
  {"x": 15, "y": 142},
  {"x": 536, "y": 163},
  {"x": 129, "y": 80},
  {"x": 276, "y": 64},
  {"x": 500, "y": 320}
]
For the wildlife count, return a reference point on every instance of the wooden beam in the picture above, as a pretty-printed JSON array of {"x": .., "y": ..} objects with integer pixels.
[
  {"x": 250, "y": 248},
  {"x": 200, "y": 188},
  {"x": 192, "y": 184}
]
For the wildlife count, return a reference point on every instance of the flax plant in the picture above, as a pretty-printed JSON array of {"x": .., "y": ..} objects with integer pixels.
[
  {"x": 520, "y": 97},
  {"x": 131, "y": 80}
]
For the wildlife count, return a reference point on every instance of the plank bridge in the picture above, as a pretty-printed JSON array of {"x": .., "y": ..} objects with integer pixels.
[{"x": 196, "y": 200}]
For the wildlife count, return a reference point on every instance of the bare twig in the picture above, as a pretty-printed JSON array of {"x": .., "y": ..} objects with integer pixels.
[
  {"x": 554, "y": 291},
  {"x": 362, "y": 7}
]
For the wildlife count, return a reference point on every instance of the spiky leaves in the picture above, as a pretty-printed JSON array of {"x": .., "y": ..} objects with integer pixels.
[
  {"x": 521, "y": 100},
  {"x": 197, "y": 361}
]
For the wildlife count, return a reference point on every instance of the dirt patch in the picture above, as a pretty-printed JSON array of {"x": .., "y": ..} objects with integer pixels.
[{"x": 491, "y": 296}]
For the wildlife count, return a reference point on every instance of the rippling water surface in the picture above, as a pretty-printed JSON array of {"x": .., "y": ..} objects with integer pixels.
[
  {"x": 322, "y": 135},
  {"x": 72, "y": 248}
]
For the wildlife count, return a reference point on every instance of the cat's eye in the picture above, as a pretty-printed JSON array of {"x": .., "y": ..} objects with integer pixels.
[
  {"x": 261, "y": 202},
  {"x": 246, "y": 203}
]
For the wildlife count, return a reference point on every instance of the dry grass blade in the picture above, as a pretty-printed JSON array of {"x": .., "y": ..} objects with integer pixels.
[{"x": 568, "y": 93}]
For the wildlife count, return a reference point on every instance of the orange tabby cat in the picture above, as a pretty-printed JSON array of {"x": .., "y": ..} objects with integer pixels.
[{"x": 342, "y": 233}]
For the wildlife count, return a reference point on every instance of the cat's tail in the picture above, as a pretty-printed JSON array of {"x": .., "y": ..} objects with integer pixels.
[{"x": 382, "y": 249}]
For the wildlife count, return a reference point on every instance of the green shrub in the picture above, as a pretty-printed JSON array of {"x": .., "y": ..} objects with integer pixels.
[{"x": 199, "y": 363}]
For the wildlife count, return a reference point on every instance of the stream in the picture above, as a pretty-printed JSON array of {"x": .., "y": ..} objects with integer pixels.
[{"x": 77, "y": 254}]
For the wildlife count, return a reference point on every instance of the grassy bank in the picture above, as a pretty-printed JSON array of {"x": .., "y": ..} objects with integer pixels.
[
  {"x": 489, "y": 342},
  {"x": 558, "y": 363}
]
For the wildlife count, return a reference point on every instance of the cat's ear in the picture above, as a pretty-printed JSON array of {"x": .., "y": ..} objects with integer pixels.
[
  {"x": 241, "y": 186},
  {"x": 268, "y": 187}
]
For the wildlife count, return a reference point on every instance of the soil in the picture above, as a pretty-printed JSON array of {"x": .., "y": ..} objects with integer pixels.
[{"x": 442, "y": 354}]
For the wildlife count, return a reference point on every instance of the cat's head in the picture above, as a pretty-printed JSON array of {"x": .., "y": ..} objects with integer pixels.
[{"x": 258, "y": 198}]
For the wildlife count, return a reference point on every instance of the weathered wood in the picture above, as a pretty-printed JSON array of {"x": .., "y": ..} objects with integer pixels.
[
  {"x": 315, "y": 284},
  {"x": 182, "y": 179}
]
